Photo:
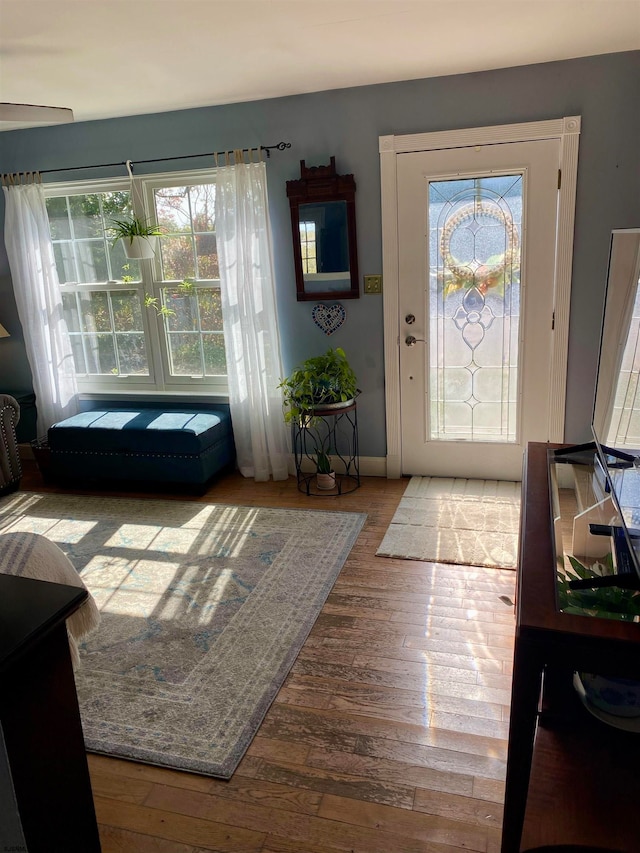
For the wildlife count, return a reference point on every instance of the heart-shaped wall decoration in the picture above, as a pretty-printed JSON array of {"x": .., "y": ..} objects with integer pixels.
[{"x": 329, "y": 318}]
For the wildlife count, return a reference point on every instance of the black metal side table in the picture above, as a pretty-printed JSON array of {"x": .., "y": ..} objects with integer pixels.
[{"x": 334, "y": 431}]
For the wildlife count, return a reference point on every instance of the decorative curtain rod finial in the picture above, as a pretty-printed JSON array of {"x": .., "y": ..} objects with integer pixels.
[{"x": 281, "y": 146}]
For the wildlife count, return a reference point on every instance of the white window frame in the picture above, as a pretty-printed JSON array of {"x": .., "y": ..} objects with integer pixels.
[{"x": 159, "y": 381}]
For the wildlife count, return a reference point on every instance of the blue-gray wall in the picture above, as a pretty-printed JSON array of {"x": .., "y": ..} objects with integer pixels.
[{"x": 346, "y": 123}]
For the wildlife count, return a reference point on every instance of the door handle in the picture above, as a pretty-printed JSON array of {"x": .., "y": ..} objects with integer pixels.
[{"x": 410, "y": 341}]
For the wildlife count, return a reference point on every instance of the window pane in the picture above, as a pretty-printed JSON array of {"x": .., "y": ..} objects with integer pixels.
[
  {"x": 70, "y": 311},
  {"x": 308, "y": 247},
  {"x": 187, "y": 214},
  {"x": 207, "y": 256},
  {"x": 86, "y": 216},
  {"x": 132, "y": 354},
  {"x": 177, "y": 257},
  {"x": 185, "y": 311},
  {"x": 123, "y": 268},
  {"x": 95, "y": 312},
  {"x": 173, "y": 210},
  {"x": 104, "y": 355},
  {"x": 185, "y": 354},
  {"x": 127, "y": 313},
  {"x": 92, "y": 261},
  {"x": 80, "y": 230},
  {"x": 624, "y": 427},
  {"x": 65, "y": 261},
  {"x": 203, "y": 205},
  {"x": 215, "y": 361},
  {"x": 116, "y": 205},
  {"x": 58, "y": 218},
  {"x": 98, "y": 348},
  {"x": 78, "y": 354},
  {"x": 210, "y": 304},
  {"x": 194, "y": 331}
]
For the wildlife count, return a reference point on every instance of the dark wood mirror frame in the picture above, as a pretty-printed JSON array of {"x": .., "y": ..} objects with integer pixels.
[{"x": 318, "y": 185}]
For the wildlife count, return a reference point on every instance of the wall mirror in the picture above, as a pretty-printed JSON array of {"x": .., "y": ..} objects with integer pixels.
[
  {"x": 616, "y": 414},
  {"x": 323, "y": 223}
]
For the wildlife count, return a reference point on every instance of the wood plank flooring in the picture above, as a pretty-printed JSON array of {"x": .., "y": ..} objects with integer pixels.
[{"x": 388, "y": 735}]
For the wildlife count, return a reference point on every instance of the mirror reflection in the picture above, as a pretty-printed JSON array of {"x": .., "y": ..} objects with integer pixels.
[
  {"x": 323, "y": 222},
  {"x": 616, "y": 417},
  {"x": 324, "y": 246}
]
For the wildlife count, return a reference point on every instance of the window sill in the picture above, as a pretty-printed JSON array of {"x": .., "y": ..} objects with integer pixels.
[{"x": 151, "y": 396}]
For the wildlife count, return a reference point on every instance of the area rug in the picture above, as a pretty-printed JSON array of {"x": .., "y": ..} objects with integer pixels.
[
  {"x": 204, "y": 608},
  {"x": 453, "y": 520}
]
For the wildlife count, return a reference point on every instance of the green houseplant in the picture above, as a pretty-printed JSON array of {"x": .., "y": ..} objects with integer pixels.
[
  {"x": 320, "y": 383},
  {"x": 138, "y": 236},
  {"x": 325, "y": 475}
]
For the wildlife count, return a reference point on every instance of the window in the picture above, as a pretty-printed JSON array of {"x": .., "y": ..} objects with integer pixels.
[
  {"x": 150, "y": 325},
  {"x": 308, "y": 247}
]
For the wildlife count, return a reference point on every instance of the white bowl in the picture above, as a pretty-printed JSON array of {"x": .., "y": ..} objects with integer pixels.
[{"x": 619, "y": 697}]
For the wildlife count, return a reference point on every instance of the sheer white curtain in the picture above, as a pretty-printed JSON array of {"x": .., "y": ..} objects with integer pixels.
[
  {"x": 249, "y": 320},
  {"x": 39, "y": 303}
]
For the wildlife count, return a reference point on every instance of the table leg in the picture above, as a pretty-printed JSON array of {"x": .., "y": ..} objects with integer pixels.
[{"x": 525, "y": 696}]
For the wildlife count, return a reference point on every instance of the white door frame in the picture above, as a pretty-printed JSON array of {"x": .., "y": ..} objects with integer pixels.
[{"x": 568, "y": 131}]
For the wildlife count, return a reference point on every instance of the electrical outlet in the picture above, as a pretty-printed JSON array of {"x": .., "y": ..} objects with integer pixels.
[{"x": 373, "y": 284}]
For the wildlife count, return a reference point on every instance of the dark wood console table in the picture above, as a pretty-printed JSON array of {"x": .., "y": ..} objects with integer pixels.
[
  {"x": 571, "y": 779},
  {"x": 40, "y": 717}
]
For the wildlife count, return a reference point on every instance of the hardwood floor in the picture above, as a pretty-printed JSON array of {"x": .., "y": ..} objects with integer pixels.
[{"x": 388, "y": 735}]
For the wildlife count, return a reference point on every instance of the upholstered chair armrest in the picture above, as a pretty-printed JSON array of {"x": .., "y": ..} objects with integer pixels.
[{"x": 10, "y": 470}]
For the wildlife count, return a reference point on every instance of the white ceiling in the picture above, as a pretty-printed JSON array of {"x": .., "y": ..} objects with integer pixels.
[{"x": 106, "y": 58}]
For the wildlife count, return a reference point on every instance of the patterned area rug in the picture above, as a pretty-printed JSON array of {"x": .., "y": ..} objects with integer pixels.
[
  {"x": 204, "y": 608},
  {"x": 447, "y": 520}
]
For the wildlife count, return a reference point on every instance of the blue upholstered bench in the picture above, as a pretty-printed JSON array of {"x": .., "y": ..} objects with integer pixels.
[{"x": 164, "y": 445}]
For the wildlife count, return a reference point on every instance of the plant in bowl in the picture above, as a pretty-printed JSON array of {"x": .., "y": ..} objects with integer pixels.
[
  {"x": 325, "y": 475},
  {"x": 319, "y": 382},
  {"x": 316, "y": 388},
  {"x": 612, "y": 602},
  {"x": 138, "y": 236},
  {"x": 614, "y": 696}
]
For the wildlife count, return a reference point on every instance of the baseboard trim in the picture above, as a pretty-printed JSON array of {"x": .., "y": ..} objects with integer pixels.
[{"x": 370, "y": 466}]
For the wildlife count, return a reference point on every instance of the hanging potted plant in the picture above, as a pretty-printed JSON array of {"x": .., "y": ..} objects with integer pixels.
[{"x": 138, "y": 236}]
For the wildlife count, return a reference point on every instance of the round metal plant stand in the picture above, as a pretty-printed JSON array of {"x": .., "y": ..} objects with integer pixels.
[{"x": 333, "y": 430}]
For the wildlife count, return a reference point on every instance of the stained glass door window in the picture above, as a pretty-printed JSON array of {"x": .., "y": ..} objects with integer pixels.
[{"x": 474, "y": 307}]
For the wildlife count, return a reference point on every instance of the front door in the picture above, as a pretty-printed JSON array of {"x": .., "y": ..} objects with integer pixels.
[{"x": 477, "y": 230}]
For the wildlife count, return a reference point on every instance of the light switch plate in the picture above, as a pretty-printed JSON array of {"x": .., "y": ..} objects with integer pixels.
[{"x": 373, "y": 284}]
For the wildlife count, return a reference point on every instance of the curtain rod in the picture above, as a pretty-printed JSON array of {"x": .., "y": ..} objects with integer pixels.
[{"x": 268, "y": 148}]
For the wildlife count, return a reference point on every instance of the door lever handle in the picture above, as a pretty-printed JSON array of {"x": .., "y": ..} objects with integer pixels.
[{"x": 410, "y": 341}]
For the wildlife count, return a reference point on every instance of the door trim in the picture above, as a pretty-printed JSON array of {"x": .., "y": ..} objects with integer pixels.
[{"x": 567, "y": 130}]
